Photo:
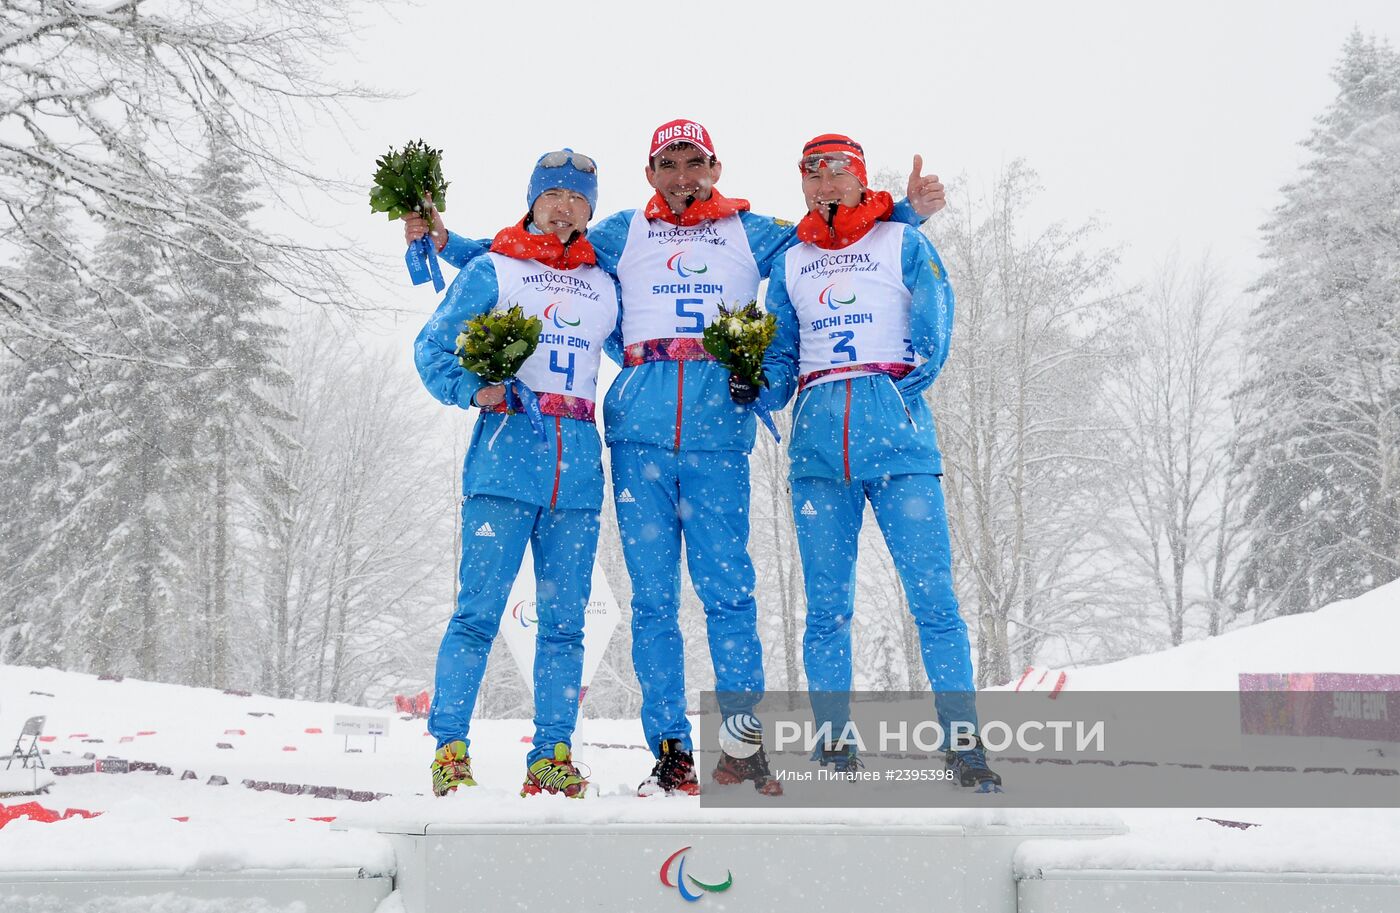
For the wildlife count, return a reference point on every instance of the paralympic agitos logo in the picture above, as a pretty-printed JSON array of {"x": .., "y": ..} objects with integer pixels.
[
  {"x": 678, "y": 265},
  {"x": 519, "y": 613},
  {"x": 551, "y": 312},
  {"x": 681, "y": 877},
  {"x": 828, "y": 297}
]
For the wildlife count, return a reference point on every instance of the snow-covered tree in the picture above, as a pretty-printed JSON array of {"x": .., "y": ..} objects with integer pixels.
[
  {"x": 132, "y": 475},
  {"x": 1321, "y": 434},
  {"x": 103, "y": 104},
  {"x": 1022, "y": 424},
  {"x": 1171, "y": 401},
  {"x": 353, "y": 551},
  {"x": 39, "y": 505},
  {"x": 226, "y": 313},
  {"x": 782, "y": 604}
]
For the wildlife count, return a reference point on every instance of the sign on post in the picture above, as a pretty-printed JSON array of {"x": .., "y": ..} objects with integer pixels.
[{"x": 372, "y": 726}]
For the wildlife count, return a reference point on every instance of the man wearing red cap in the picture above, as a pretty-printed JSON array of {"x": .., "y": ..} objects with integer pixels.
[
  {"x": 864, "y": 314},
  {"x": 680, "y": 430}
]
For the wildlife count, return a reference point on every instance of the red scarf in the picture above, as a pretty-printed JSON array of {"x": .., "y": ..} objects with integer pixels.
[
  {"x": 716, "y": 207},
  {"x": 849, "y": 225},
  {"x": 519, "y": 243}
]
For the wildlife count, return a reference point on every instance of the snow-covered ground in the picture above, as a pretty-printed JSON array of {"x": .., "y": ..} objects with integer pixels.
[
  {"x": 151, "y": 820},
  {"x": 1354, "y": 635}
]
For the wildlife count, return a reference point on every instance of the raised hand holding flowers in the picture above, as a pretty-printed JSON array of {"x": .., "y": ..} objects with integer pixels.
[{"x": 411, "y": 181}]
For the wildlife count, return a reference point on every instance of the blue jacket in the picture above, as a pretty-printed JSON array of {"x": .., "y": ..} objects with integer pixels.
[
  {"x": 884, "y": 427},
  {"x": 641, "y": 405},
  {"x": 507, "y": 457}
]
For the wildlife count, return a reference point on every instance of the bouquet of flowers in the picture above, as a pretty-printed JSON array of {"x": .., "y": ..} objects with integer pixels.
[
  {"x": 738, "y": 339},
  {"x": 403, "y": 182},
  {"x": 494, "y": 345}
]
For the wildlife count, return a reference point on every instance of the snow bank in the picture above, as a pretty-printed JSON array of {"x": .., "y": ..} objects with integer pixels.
[
  {"x": 1355, "y": 635},
  {"x": 1318, "y": 841},
  {"x": 128, "y": 840}
]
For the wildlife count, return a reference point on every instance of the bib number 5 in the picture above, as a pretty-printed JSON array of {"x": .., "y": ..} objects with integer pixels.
[{"x": 698, "y": 316}]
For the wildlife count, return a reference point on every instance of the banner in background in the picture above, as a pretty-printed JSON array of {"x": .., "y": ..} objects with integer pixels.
[{"x": 521, "y": 621}]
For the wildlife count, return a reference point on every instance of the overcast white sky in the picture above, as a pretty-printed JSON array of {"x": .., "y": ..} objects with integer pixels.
[{"x": 1174, "y": 124}]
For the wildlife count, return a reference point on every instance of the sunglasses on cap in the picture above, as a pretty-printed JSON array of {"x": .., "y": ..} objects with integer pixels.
[
  {"x": 835, "y": 162},
  {"x": 562, "y": 157}
]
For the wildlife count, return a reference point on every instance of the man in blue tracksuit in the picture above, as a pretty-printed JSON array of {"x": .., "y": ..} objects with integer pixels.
[
  {"x": 530, "y": 478},
  {"x": 680, "y": 430},
  {"x": 865, "y": 314}
]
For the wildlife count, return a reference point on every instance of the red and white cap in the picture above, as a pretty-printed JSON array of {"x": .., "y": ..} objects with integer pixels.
[
  {"x": 681, "y": 131},
  {"x": 837, "y": 146}
]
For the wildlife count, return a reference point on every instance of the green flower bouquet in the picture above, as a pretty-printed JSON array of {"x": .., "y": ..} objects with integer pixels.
[
  {"x": 494, "y": 345},
  {"x": 403, "y": 183},
  {"x": 738, "y": 338}
]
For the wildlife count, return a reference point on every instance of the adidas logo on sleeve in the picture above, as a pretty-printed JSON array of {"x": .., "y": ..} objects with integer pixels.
[
  {"x": 807, "y": 510},
  {"x": 485, "y": 530},
  {"x": 626, "y": 497}
]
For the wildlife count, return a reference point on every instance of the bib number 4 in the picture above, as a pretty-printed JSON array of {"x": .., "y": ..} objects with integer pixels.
[{"x": 566, "y": 369}]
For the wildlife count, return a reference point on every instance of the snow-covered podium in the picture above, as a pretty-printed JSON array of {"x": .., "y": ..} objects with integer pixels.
[{"x": 624, "y": 853}]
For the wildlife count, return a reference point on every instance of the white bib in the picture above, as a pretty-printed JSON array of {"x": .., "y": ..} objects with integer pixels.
[
  {"x": 579, "y": 311},
  {"x": 674, "y": 278},
  {"x": 852, "y": 306}
]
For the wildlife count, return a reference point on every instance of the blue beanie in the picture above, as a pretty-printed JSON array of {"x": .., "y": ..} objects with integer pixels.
[{"x": 565, "y": 176}]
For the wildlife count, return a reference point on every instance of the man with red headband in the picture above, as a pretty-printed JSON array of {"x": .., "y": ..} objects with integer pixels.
[
  {"x": 865, "y": 313},
  {"x": 680, "y": 430}
]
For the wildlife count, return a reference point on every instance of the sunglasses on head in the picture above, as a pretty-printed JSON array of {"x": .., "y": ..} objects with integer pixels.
[
  {"x": 836, "y": 162},
  {"x": 562, "y": 157}
]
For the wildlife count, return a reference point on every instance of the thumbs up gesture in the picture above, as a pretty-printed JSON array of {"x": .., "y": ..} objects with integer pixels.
[{"x": 926, "y": 192}]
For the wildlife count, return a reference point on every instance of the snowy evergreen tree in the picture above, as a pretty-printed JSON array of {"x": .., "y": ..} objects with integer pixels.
[
  {"x": 134, "y": 476},
  {"x": 226, "y": 312},
  {"x": 101, "y": 104},
  {"x": 40, "y": 383},
  {"x": 1321, "y": 436}
]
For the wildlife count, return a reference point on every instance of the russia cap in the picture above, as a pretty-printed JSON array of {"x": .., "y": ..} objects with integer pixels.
[{"x": 681, "y": 131}]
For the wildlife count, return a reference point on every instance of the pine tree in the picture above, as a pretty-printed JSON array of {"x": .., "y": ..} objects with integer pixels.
[
  {"x": 1321, "y": 441},
  {"x": 41, "y": 380},
  {"x": 227, "y": 314},
  {"x": 86, "y": 83},
  {"x": 134, "y": 477}
]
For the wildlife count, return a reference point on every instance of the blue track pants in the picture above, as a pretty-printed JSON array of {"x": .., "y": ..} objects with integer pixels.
[{"x": 495, "y": 532}]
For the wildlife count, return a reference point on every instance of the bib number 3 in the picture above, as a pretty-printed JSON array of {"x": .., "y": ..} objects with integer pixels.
[{"x": 843, "y": 346}]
